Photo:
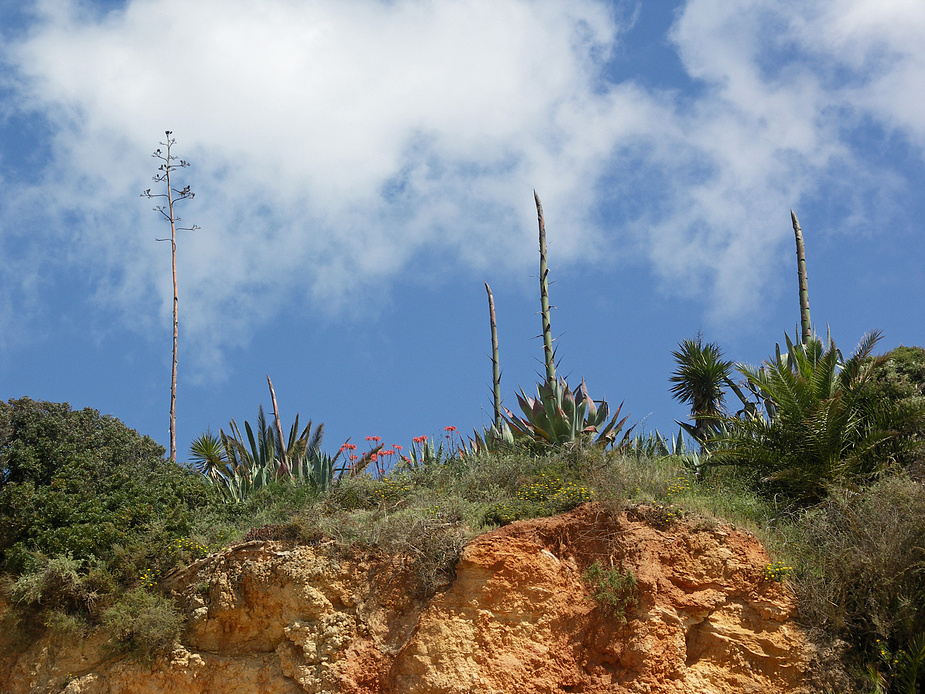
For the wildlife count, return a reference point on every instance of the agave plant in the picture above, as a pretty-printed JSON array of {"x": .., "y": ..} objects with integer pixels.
[
  {"x": 238, "y": 465},
  {"x": 494, "y": 438},
  {"x": 655, "y": 445},
  {"x": 819, "y": 424},
  {"x": 559, "y": 416},
  {"x": 315, "y": 469},
  {"x": 425, "y": 453}
]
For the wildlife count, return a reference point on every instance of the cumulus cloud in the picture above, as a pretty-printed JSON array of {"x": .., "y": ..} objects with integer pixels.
[{"x": 333, "y": 143}]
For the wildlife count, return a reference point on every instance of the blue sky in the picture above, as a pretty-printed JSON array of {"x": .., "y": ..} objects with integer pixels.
[{"x": 361, "y": 169}]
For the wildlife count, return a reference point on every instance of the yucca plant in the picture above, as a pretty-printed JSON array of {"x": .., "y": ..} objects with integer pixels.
[
  {"x": 819, "y": 426},
  {"x": 698, "y": 380},
  {"x": 557, "y": 416},
  {"x": 233, "y": 480},
  {"x": 208, "y": 456}
]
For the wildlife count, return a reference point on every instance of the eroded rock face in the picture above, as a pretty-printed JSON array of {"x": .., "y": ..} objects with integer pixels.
[{"x": 264, "y": 617}]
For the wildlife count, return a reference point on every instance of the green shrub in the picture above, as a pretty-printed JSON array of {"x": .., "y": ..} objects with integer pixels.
[
  {"x": 613, "y": 589},
  {"x": 55, "y": 583},
  {"x": 546, "y": 496},
  {"x": 79, "y": 484},
  {"x": 899, "y": 378},
  {"x": 861, "y": 561},
  {"x": 355, "y": 492},
  {"x": 144, "y": 623},
  {"x": 432, "y": 540}
]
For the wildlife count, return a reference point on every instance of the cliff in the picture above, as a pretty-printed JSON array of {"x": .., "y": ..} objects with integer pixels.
[{"x": 279, "y": 618}]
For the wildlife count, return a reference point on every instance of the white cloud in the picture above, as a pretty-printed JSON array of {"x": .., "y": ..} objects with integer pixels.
[
  {"x": 774, "y": 123},
  {"x": 332, "y": 142}
]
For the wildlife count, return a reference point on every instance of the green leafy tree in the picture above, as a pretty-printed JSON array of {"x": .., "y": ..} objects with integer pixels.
[
  {"x": 899, "y": 377},
  {"x": 698, "y": 380}
]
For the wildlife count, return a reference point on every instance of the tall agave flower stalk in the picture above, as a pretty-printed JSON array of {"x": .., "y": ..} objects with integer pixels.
[
  {"x": 279, "y": 427},
  {"x": 806, "y": 329},
  {"x": 495, "y": 358},
  {"x": 544, "y": 297},
  {"x": 173, "y": 195}
]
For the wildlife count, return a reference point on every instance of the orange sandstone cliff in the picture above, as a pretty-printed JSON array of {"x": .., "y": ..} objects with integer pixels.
[{"x": 277, "y": 618}]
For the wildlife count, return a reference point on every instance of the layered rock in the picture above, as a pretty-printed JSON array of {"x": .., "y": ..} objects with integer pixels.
[{"x": 267, "y": 617}]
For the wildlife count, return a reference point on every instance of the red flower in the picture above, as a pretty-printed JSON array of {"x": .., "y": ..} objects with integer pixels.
[
  {"x": 419, "y": 439},
  {"x": 369, "y": 438},
  {"x": 374, "y": 457},
  {"x": 396, "y": 447},
  {"x": 377, "y": 439},
  {"x": 449, "y": 428}
]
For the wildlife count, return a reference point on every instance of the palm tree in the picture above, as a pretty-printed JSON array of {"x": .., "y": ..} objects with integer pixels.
[
  {"x": 821, "y": 425},
  {"x": 698, "y": 380}
]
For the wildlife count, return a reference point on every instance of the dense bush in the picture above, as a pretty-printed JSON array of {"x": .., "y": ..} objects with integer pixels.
[
  {"x": 144, "y": 623},
  {"x": 900, "y": 378},
  {"x": 83, "y": 485},
  {"x": 902, "y": 375},
  {"x": 863, "y": 565}
]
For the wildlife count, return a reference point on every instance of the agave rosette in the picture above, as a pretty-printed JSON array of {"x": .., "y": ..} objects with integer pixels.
[{"x": 557, "y": 416}]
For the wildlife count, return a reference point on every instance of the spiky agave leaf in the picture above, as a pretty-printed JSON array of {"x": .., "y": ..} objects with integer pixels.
[{"x": 557, "y": 416}]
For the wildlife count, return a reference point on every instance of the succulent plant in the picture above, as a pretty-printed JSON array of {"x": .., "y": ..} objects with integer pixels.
[
  {"x": 557, "y": 416},
  {"x": 239, "y": 465}
]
